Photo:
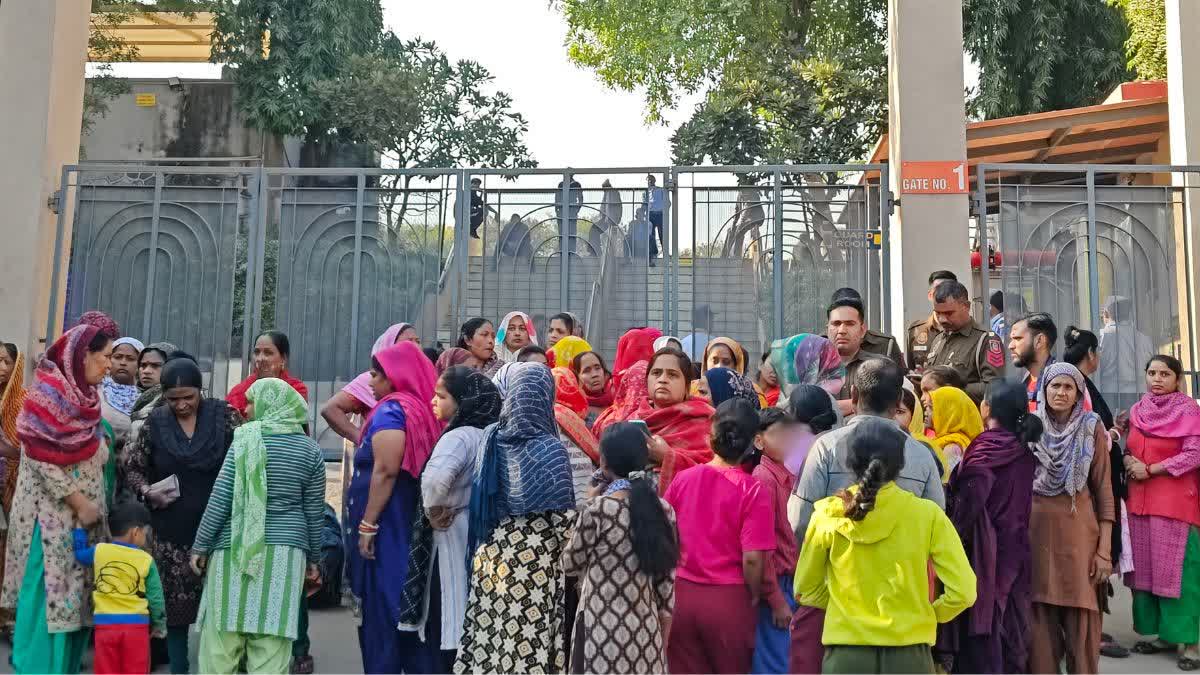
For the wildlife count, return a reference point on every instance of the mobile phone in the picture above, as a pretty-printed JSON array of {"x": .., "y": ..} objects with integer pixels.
[{"x": 641, "y": 424}]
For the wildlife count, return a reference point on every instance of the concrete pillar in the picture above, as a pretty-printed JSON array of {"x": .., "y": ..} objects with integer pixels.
[
  {"x": 1183, "y": 100},
  {"x": 43, "y": 50},
  {"x": 926, "y": 122}
]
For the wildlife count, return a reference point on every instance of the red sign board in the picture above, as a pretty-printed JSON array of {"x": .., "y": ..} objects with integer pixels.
[{"x": 933, "y": 178}]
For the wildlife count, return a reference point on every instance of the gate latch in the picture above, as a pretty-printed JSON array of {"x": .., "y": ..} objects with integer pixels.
[{"x": 54, "y": 202}]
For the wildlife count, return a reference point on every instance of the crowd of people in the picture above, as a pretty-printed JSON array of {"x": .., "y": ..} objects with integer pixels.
[{"x": 517, "y": 504}]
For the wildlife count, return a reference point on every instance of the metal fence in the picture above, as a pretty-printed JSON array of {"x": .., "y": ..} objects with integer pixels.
[
  {"x": 209, "y": 256},
  {"x": 1101, "y": 247}
]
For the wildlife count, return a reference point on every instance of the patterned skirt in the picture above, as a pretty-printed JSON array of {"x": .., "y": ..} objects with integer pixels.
[
  {"x": 516, "y": 610},
  {"x": 268, "y": 605}
]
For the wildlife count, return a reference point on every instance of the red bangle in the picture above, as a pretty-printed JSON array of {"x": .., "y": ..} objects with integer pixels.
[{"x": 367, "y": 528}]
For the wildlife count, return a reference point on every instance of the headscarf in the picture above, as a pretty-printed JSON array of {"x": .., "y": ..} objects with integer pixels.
[
  {"x": 238, "y": 396},
  {"x": 637, "y": 344},
  {"x": 665, "y": 341},
  {"x": 122, "y": 396},
  {"x": 735, "y": 348},
  {"x": 1065, "y": 452},
  {"x": 570, "y": 409},
  {"x": 808, "y": 359},
  {"x": 568, "y": 348},
  {"x": 413, "y": 380},
  {"x": 12, "y": 400},
  {"x": 956, "y": 420},
  {"x": 60, "y": 419},
  {"x": 101, "y": 321},
  {"x": 724, "y": 384},
  {"x": 205, "y": 449},
  {"x": 132, "y": 342},
  {"x": 504, "y": 377},
  {"x": 455, "y": 356},
  {"x": 502, "y": 349},
  {"x": 164, "y": 348},
  {"x": 684, "y": 426},
  {"x": 525, "y": 467},
  {"x": 360, "y": 386},
  {"x": 278, "y": 410},
  {"x": 478, "y": 401}
]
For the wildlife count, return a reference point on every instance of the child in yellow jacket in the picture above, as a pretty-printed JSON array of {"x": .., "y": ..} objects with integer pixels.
[{"x": 864, "y": 561}]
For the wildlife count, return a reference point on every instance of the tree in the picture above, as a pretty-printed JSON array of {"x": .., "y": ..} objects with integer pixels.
[
  {"x": 1146, "y": 47},
  {"x": 409, "y": 103},
  {"x": 280, "y": 49},
  {"x": 784, "y": 80},
  {"x": 1038, "y": 55}
]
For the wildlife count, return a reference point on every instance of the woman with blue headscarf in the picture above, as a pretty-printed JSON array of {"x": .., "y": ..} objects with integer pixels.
[{"x": 521, "y": 510}]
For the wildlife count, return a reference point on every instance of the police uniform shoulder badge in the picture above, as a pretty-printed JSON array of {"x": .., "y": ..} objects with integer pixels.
[{"x": 995, "y": 352}]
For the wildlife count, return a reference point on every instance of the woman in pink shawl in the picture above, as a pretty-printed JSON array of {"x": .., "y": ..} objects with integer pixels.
[
  {"x": 357, "y": 398},
  {"x": 1163, "y": 464},
  {"x": 397, "y": 439}
]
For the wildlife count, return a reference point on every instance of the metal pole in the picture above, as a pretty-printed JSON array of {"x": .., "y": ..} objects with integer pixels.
[
  {"x": 150, "y": 272},
  {"x": 777, "y": 262},
  {"x": 1093, "y": 252},
  {"x": 358, "y": 234},
  {"x": 58, "y": 254},
  {"x": 981, "y": 225},
  {"x": 256, "y": 206},
  {"x": 564, "y": 231},
  {"x": 885, "y": 249},
  {"x": 259, "y": 259},
  {"x": 671, "y": 311}
]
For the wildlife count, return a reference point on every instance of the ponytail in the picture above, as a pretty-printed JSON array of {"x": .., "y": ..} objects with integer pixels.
[
  {"x": 862, "y": 501},
  {"x": 876, "y": 455},
  {"x": 1009, "y": 408},
  {"x": 655, "y": 542},
  {"x": 1030, "y": 428}
]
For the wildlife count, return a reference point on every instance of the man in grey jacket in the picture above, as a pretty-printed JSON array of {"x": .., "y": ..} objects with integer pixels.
[{"x": 875, "y": 393}]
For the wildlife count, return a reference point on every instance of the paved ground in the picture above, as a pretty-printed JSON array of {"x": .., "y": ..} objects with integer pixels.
[{"x": 335, "y": 640}]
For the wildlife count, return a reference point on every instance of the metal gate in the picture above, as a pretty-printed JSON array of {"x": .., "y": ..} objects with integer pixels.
[{"x": 1098, "y": 247}]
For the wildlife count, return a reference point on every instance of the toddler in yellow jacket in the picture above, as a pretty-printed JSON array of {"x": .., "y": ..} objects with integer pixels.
[
  {"x": 865, "y": 562},
  {"x": 127, "y": 595}
]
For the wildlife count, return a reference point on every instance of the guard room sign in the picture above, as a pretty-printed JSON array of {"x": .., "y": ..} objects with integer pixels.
[{"x": 933, "y": 178}]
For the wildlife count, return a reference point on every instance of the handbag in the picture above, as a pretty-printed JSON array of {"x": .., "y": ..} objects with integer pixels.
[{"x": 163, "y": 493}]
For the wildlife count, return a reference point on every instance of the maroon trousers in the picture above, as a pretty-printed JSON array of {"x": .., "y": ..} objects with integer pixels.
[{"x": 712, "y": 629}]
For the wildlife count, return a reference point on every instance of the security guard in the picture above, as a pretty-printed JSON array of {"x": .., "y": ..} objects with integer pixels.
[
  {"x": 920, "y": 333},
  {"x": 875, "y": 342},
  {"x": 961, "y": 344}
]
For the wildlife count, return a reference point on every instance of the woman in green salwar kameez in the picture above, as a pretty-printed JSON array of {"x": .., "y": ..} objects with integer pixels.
[
  {"x": 261, "y": 529},
  {"x": 60, "y": 487}
]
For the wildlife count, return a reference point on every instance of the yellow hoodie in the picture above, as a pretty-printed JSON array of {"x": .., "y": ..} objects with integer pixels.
[{"x": 871, "y": 576}]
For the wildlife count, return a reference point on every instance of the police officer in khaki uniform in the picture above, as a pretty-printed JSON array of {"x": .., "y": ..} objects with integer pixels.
[
  {"x": 974, "y": 352},
  {"x": 920, "y": 333},
  {"x": 874, "y": 342}
]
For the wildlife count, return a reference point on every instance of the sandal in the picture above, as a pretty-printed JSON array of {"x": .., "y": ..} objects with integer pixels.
[
  {"x": 1187, "y": 664},
  {"x": 1113, "y": 650},
  {"x": 1156, "y": 647},
  {"x": 303, "y": 665}
]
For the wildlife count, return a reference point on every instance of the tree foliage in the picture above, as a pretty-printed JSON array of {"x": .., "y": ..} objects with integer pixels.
[
  {"x": 784, "y": 80},
  {"x": 1146, "y": 47},
  {"x": 1038, "y": 55},
  {"x": 281, "y": 49}
]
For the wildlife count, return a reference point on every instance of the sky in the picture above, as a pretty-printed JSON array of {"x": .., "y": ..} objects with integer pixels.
[{"x": 574, "y": 119}]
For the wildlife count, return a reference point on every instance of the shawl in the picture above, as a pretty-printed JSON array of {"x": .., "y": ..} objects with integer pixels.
[
  {"x": 360, "y": 387},
  {"x": 602, "y": 400},
  {"x": 413, "y": 380},
  {"x": 504, "y": 377},
  {"x": 808, "y": 359},
  {"x": 455, "y": 356},
  {"x": 478, "y": 401},
  {"x": 968, "y": 493},
  {"x": 12, "y": 401},
  {"x": 237, "y": 396},
  {"x": 102, "y": 322},
  {"x": 735, "y": 347},
  {"x": 568, "y": 392},
  {"x": 502, "y": 351},
  {"x": 1065, "y": 452},
  {"x": 60, "y": 419},
  {"x": 568, "y": 348},
  {"x": 205, "y": 450},
  {"x": 684, "y": 426},
  {"x": 724, "y": 384},
  {"x": 1173, "y": 415},
  {"x": 120, "y": 396},
  {"x": 665, "y": 341},
  {"x": 278, "y": 410},
  {"x": 770, "y": 396},
  {"x": 635, "y": 345},
  {"x": 525, "y": 467}
]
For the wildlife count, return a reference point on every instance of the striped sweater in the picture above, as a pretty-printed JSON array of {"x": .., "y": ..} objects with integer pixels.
[{"x": 295, "y": 498}]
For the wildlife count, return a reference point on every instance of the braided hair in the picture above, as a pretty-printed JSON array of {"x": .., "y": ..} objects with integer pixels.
[{"x": 876, "y": 456}]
